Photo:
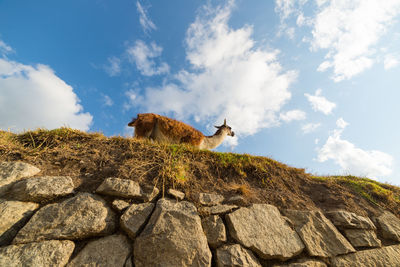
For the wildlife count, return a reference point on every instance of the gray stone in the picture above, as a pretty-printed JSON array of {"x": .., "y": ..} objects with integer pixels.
[
  {"x": 120, "y": 204},
  {"x": 13, "y": 214},
  {"x": 379, "y": 257},
  {"x": 362, "y": 238},
  {"x": 129, "y": 262},
  {"x": 303, "y": 263},
  {"x": 217, "y": 209},
  {"x": 82, "y": 216},
  {"x": 344, "y": 220},
  {"x": 111, "y": 250},
  {"x": 236, "y": 200},
  {"x": 215, "y": 231},
  {"x": 176, "y": 194},
  {"x": 319, "y": 235},
  {"x": 236, "y": 256},
  {"x": 42, "y": 254},
  {"x": 210, "y": 199},
  {"x": 119, "y": 187},
  {"x": 13, "y": 171},
  {"x": 262, "y": 229},
  {"x": 42, "y": 188},
  {"x": 135, "y": 217},
  {"x": 389, "y": 225},
  {"x": 174, "y": 231},
  {"x": 149, "y": 193}
]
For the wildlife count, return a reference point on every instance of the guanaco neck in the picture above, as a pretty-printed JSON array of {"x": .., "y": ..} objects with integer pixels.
[{"x": 211, "y": 142}]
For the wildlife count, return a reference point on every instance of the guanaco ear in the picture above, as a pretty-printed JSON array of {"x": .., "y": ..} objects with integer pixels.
[
  {"x": 217, "y": 127},
  {"x": 224, "y": 122}
]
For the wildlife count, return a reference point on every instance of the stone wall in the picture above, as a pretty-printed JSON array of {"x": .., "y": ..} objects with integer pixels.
[{"x": 45, "y": 221}]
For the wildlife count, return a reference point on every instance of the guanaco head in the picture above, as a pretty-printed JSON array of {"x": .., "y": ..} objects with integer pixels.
[
  {"x": 132, "y": 123},
  {"x": 225, "y": 128}
]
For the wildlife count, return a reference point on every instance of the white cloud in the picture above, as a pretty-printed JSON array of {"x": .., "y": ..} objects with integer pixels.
[
  {"x": 324, "y": 66},
  {"x": 303, "y": 21},
  {"x": 391, "y": 61},
  {"x": 4, "y": 48},
  {"x": 310, "y": 127},
  {"x": 341, "y": 123},
  {"x": 320, "y": 103},
  {"x": 290, "y": 32},
  {"x": 143, "y": 56},
  {"x": 107, "y": 101},
  {"x": 230, "y": 77},
  {"x": 292, "y": 115},
  {"x": 34, "y": 96},
  {"x": 349, "y": 31},
  {"x": 321, "y": 2},
  {"x": 231, "y": 142},
  {"x": 131, "y": 95},
  {"x": 133, "y": 99},
  {"x": 286, "y": 8},
  {"x": 145, "y": 21},
  {"x": 113, "y": 68},
  {"x": 354, "y": 160}
]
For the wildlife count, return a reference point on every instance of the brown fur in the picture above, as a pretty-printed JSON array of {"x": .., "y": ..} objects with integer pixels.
[{"x": 145, "y": 124}]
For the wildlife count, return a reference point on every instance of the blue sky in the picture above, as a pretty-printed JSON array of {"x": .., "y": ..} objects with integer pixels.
[{"x": 311, "y": 83}]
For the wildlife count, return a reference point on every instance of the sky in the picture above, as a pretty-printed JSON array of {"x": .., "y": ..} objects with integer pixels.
[{"x": 311, "y": 83}]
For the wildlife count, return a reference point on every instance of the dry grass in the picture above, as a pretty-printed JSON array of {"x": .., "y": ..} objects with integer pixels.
[
  {"x": 242, "y": 189},
  {"x": 89, "y": 158}
]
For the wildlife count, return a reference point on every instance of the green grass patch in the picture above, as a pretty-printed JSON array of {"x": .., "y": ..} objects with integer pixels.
[
  {"x": 178, "y": 149},
  {"x": 228, "y": 159},
  {"x": 7, "y": 138},
  {"x": 239, "y": 162},
  {"x": 370, "y": 189}
]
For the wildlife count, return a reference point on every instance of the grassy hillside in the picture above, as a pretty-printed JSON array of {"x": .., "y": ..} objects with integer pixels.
[{"x": 91, "y": 157}]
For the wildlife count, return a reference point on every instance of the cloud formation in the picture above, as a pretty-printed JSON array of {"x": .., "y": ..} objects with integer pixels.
[
  {"x": 347, "y": 30},
  {"x": 287, "y": 9},
  {"x": 132, "y": 99},
  {"x": 354, "y": 160},
  {"x": 391, "y": 61},
  {"x": 144, "y": 56},
  {"x": 230, "y": 77},
  {"x": 145, "y": 21},
  {"x": 320, "y": 103},
  {"x": 310, "y": 127},
  {"x": 107, "y": 101},
  {"x": 4, "y": 48},
  {"x": 292, "y": 115},
  {"x": 34, "y": 96},
  {"x": 341, "y": 123},
  {"x": 113, "y": 68}
]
